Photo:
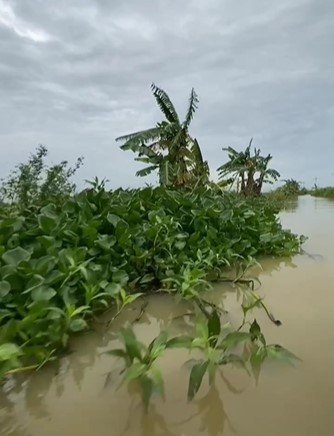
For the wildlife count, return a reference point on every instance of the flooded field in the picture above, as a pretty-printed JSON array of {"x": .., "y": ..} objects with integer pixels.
[{"x": 81, "y": 394}]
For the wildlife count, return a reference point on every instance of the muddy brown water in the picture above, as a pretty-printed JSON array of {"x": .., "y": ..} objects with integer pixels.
[{"x": 80, "y": 395}]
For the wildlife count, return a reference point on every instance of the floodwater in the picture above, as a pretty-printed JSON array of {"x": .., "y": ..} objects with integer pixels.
[{"x": 81, "y": 394}]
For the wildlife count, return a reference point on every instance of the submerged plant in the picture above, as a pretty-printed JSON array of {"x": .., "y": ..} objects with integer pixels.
[
  {"x": 140, "y": 362},
  {"x": 218, "y": 344}
]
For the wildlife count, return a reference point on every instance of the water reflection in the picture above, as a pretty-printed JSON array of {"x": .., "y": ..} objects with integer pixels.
[
  {"x": 211, "y": 412},
  {"x": 153, "y": 423},
  {"x": 291, "y": 205},
  {"x": 11, "y": 391}
]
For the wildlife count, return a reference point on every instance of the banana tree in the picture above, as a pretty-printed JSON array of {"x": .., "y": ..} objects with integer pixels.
[
  {"x": 249, "y": 171},
  {"x": 168, "y": 147}
]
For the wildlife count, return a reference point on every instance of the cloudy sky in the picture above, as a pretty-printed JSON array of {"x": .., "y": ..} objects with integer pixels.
[{"x": 75, "y": 74}]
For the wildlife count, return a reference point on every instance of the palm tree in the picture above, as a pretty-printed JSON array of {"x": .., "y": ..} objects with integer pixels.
[
  {"x": 249, "y": 171},
  {"x": 168, "y": 147}
]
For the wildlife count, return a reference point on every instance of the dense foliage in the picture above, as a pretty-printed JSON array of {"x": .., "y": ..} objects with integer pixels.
[
  {"x": 168, "y": 147},
  {"x": 34, "y": 180},
  {"x": 63, "y": 260},
  {"x": 249, "y": 171},
  {"x": 285, "y": 196},
  {"x": 327, "y": 192}
]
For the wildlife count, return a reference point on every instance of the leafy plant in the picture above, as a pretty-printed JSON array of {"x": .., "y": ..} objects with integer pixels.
[
  {"x": 219, "y": 345},
  {"x": 9, "y": 357},
  {"x": 140, "y": 361},
  {"x": 249, "y": 171},
  {"x": 168, "y": 147},
  {"x": 34, "y": 181},
  {"x": 327, "y": 192},
  {"x": 76, "y": 256}
]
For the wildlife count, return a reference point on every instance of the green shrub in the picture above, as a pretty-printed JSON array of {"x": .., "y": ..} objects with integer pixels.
[
  {"x": 327, "y": 192},
  {"x": 34, "y": 181}
]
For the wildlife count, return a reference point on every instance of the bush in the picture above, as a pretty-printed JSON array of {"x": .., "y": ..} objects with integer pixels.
[
  {"x": 34, "y": 181},
  {"x": 327, "y": 192}
]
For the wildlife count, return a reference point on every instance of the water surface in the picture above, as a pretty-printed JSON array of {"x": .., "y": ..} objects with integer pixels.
[{"x": 79, "y": 396}]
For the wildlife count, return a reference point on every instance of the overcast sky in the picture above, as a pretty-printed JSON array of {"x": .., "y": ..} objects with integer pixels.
[{"x": 75, "y": 74}]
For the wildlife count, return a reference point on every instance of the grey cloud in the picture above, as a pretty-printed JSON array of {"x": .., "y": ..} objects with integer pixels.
[{"x": 261, "y": 69}]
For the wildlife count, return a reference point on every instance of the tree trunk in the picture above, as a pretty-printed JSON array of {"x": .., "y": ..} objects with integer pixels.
[
  {"x": 243, "y": 186},
  {"x": 250, "y": 186}
]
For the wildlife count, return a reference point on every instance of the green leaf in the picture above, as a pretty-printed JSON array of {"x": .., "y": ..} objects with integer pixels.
[
  {"x": 11, "y": 225},
  {"x": 106, "y": 242},
  {"x": 180, "y": 245},
  {"x": 235, "y": 338},
  {"x": 132, "y": 297},
  {"x": 202, "y": 331},
  {"x": 16, "y": 256},
  {"x": 43, "y": 293},
  {"x": 45, "y": 264},
  {"x": 4, "y": 288},
  {"x": 79, "y": 310},
  {"x": 255, "y": 329},
  {"x": 132, "y": 345},
  {"x": 256, "y": 333},
  {"x": 13, "y": 241},
  {"x": 278, "y": 352},
  {"x": 120, "y": 277},
  {"x": 113, "y": 289},
  {"x": 54, "y": 277},
  {"x": 179, "y": 342},
  {"x": 47, "y": 241},
  {"x": 113, "y": 219},
  {"x": 77, "y": 325},
  {"x": 135, "y": 371},
  {"x": 196, "y": 377},
  {"x": 165, "y": 104},
  {"x": 47, "y": 223},
  {"x": 214, "y": 327},
  {"x": 35, "y": 281},
  {"x": 118, "y": 352},
  {"x": 147, "y": 278},
  {"x": 146, "y": 385},
  {"x": 258, "y": 356},
  {"x": 9, "y": 351},
  {"x": 157, "y": 345}
]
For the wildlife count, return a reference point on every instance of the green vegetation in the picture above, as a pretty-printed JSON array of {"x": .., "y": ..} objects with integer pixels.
[
  {"x": 327, "y": 192},
  {"x": 248, "y": 171},
  {"x": 215, "y": 345},
  {"x": 33, "y": 181},
  {"x": 283, "y": 196},
  {"x": 168, "y": 147},
  {"x": 66, "y": 257},
  {"x": 62, "y": 261},
  {"x": 291, "y": 188}
]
